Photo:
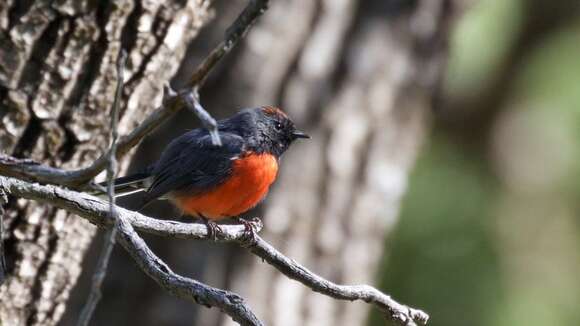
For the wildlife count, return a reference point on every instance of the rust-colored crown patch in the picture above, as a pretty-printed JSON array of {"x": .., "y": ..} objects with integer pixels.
[{"x": 272, "y": 110}]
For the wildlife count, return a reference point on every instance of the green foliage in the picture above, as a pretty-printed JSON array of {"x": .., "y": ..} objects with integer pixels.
[
  {"x": 489, "y": 235},
  {"x": 480, "y": 41},
  {"x": 442, "y": 254}
]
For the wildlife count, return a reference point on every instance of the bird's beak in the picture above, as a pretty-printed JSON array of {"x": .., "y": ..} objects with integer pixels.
[{"x": 300, "y": 134}]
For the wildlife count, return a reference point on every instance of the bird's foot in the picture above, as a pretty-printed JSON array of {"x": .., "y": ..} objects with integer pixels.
[
  {"x": 249, "y": 230},
  {"x": 213, "y": 229}
]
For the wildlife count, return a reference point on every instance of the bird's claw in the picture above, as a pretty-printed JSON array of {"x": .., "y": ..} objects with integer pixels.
[
  {"x": 249, "y": 230},
  {"x": 213, "y": 229}
]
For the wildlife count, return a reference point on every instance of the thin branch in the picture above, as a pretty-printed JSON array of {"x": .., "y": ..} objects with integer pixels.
[
  {"x": 174, "y": 102},
  {"x": 96, "y": 211},
  {"x": 402, "y": 314},
  {"x": 3, "y": 271},
  {"x": 234, "y": 33},
  {"x": 111, "y": 234},
  {"x": 191, "y": 102},
  {"x": 182, "y": 287}
]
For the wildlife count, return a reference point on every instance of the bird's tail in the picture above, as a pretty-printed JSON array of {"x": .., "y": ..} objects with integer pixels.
[{"x": 127, "y": 185}]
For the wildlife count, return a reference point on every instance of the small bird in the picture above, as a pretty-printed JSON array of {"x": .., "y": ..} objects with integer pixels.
[{"x": 216, "y": 182}]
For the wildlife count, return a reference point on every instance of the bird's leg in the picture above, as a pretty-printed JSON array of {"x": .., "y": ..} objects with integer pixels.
[
  {"x": 213, "y": 229},
  {"x": 249, "y": 231}
]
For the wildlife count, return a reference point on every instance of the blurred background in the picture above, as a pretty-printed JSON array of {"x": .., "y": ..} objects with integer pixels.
[
  {"x": 443, "y": 166},
  {"x": 489, "y": 228}
]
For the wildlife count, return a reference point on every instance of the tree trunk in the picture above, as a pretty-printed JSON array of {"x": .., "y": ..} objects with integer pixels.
[
  {"x": 361, "y": 78},
  {"x": 57, "y": 80}
]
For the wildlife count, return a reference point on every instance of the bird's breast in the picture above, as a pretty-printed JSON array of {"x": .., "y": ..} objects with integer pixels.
[{"x": 251, "y": 177}]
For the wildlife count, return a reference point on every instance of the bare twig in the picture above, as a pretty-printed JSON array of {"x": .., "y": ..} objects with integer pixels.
[
  {"x": 96, "y": 211},
  {"x": 3, "y": 272},
  {"x": 234, "y": 33},
  {"x": 191, "y": 102},
  {"x": 77, "y": 179},
  {"x": 400, "y": 313},
  {"x": 111, "y": 234}
]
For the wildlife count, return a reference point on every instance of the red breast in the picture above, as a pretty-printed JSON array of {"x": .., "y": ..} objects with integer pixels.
[{"x": 251, "y": 178}]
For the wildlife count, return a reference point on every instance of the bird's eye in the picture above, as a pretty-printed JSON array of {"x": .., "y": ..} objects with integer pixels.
[{"x": 278, "y": 126}]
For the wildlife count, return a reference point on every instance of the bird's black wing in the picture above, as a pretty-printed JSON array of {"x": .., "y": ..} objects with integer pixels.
[{"x": 191, "y": 163}]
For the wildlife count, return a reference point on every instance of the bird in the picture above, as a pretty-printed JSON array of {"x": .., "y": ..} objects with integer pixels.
[{"x": 217, "y": 182}]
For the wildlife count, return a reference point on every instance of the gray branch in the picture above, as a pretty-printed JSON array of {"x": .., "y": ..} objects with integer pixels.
[
  {"x": 234, "y": 33},
  {"x": 3, "y": 271},
  {"x": 402, "y": 314},
  {"x": 97, "y": 212},
  {"x": 191, "y": 102}
]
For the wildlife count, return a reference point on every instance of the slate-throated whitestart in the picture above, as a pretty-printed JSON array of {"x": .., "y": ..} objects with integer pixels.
[{"x": 215, "y": 182}]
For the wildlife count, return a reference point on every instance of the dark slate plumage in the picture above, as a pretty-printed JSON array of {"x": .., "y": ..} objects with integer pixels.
[{"x": 192, "y": 164}]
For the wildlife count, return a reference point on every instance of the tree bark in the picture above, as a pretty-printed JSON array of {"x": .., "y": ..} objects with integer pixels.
[
  {"x": 57, "y": 80},
  {"x": 361, "y": 78}
]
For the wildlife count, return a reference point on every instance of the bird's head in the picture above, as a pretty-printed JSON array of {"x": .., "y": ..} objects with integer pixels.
[
  {"x": 267, "y": 129},
  {"x": 275, "y": 130}
]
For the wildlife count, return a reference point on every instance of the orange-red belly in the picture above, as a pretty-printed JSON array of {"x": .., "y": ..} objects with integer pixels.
[{"x": 251, "y": 178}]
